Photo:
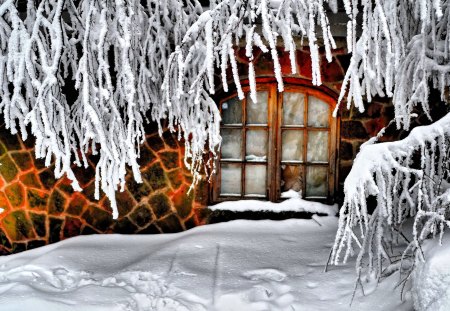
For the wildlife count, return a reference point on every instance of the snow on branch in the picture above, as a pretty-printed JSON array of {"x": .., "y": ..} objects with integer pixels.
[
  {"x": 114, "y": 51},
  {"x": 210, "y": 43},
  {"x": 402, "y": 188},
  {"x": 401, "y": 49},
  {"x": 131, "y": 61}
]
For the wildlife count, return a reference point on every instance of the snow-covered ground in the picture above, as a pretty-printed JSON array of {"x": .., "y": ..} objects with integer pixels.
[
  {"x": 239, "y": 265},
  {"x": 431, "y": 279}
]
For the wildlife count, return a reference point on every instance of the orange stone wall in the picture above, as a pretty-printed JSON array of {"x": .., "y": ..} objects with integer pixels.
[{"x": 37, "y": 209}]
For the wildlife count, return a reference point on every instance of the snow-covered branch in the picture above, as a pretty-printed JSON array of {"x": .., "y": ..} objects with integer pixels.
[
  {"x": 115, "y": 52},
  {"x": 131, "y": 61},
  {"x": 402, "y": 52},
  {"x": 402, "y": 187},
  {"x": 210, "y": 43}
]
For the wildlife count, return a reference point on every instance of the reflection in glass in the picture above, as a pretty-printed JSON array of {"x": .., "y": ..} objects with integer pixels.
[
  {"x": 292, "y": 145},
  {"x": 255, "y": 181},
  {"x": 230, "y": 182},
  {"x": 232, "y": 111},
  {"x": 293, "y": 108},
  {"x": 318, "y": 112},
  {"x": 231, "y": 144},
  {"x": 317, "y": 146},
  {"x": 257, "y": 112},
  {"x": 316, "y": 181},
  {"x": 291, "y": 178},
  {"x": 256, "y": 145}
]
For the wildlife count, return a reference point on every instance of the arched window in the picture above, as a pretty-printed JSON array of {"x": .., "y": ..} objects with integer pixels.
[{"x": 283, "y": 143}]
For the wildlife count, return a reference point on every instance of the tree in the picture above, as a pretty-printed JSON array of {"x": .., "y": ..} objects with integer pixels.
[
  {"x": 403, "y": 52},
  {"x": 132, "y": 60}
]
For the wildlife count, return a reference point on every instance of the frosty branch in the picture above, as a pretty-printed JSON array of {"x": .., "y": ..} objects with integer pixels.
[
  {"x": 131, "y": 61},
  {"x": 209, "y": 44},
  {"x": 402, "y": 52}
]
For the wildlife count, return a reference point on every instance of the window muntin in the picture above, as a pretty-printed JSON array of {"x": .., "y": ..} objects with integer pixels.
[
  {"x": 304, "y": 149},
  {"x": 244, "y": 152},
  {"x": 283, "y": 142}
]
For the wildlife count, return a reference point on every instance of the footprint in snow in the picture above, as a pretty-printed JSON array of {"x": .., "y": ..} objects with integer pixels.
[
  {"x": 311, "y": 284},
  {"x": 265, "y": 274},
  {"x": 146, "y": 291},
  {"x": 269, "y": 291},
  {"x": 288, "y": 239}
]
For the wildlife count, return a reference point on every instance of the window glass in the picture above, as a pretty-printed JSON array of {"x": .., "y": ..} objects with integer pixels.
[
  {"x": 318, "y": 112},
  {"x": 297, "y": 134},
  {"x": 292, "y": 145},
  {"x": 257, "y": 112},
  {"x": 291, "y": 178},
  {"x": 231, "y": 179},
  {"x": 256, "y": 145},
  {"x": 316, "y": 181},
  {"x": 255, "y": 183},
  {"x": 317, "y": 146},
  {"x": 293, "y": 108},
  {"x": 232, "y": 111},
  {"x": 231, "y": 143}
]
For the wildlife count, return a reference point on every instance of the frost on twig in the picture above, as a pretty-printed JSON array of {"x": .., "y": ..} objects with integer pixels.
[
  {"x": 399, "y": 49},
  {"x": 209, "y": 46},
  {"x": 403, "y": 188},
  {"x": 135, "y": 61},
  {"x": 402, "y": 52}
]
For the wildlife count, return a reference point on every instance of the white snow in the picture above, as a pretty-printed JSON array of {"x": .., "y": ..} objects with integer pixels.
[
  {"x": 255, "y": 158},
  {"x": 294, "y": 203},
  {"x": 291, "y": 193},
  {"x": 431, "y": 278},
  {"x": 239, "y": 265}
]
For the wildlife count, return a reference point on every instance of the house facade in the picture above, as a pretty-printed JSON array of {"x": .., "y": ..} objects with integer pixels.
[{"x": 285, "y": 141}]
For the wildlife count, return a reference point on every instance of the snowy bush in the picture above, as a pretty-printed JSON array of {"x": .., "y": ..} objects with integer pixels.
[
  {"x": 132, "y": 60},
  {"x": 402, "y": 52}
]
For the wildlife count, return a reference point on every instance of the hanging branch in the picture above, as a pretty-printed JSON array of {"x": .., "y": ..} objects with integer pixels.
[
  {"x": 132, "y": 60},
  {"x": 402, "y": 51},
  {"x": 210, "y": 43}
]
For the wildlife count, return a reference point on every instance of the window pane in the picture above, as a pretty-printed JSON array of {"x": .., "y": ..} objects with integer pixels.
[
  {"x": 231, "y": 179},
  {"x": 257, "y": 112},
  {"x": 255, "y": 179},
  {"x": 232, "y": 111},
  {"x": 231, "y": 144},
  {"x": 292, "y": 145},
  {"x": 293, "y": 108},
  {"x": 256, "y": 145},
  {"x": 316, "y": 181},
  {"x": 291, "y": 178},
  {"x": 318, "y": 112},
  {"x": 317, "y": 146}
]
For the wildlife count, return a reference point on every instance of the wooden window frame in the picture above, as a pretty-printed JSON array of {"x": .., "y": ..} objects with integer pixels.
[{"x": 274, "y": 128}]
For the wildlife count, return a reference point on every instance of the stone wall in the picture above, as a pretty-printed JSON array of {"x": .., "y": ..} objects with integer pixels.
[
  {"x": 357, "y": 128},
  {"x": 37, "y": 209}
]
